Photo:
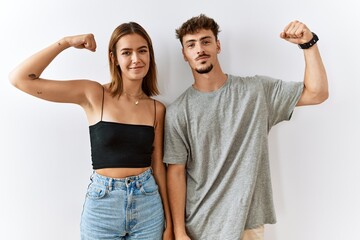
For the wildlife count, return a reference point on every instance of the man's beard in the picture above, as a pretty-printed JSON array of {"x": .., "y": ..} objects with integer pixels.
[{"x": 204, "y": 70}]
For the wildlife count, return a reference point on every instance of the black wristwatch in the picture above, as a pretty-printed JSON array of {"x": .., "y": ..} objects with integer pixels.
[{"x": 310, "y": 43}]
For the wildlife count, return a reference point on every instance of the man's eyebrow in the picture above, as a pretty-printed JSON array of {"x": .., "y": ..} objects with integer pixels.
[
  {"x": 194, "y": 40},
  {"x": 206, "y": 37}
]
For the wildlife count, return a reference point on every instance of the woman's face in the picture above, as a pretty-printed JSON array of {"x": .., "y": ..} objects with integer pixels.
[{"x": 133, "y": 57}]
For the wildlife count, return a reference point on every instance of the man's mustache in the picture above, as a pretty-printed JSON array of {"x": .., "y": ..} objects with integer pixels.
[{"x": 202, "y": 55}]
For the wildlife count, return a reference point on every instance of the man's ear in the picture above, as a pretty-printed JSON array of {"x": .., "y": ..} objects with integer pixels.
[
  {"x": 185, "y": 58},
  {"x": 218, "y": 46}
]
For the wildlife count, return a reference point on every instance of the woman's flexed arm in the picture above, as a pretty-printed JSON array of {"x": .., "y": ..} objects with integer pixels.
[{"x": 26, "y": 76}]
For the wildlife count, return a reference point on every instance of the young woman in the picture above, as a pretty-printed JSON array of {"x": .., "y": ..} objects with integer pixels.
[{"x": 127, "y": 196}]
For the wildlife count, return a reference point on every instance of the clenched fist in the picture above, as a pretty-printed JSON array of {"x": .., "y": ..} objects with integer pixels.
[{"x": 296, "y": 32}]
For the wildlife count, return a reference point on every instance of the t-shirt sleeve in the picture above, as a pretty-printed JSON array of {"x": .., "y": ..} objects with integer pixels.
[
  {"x": 281, "y": 97},
  {"x": 175, "y": 146}
]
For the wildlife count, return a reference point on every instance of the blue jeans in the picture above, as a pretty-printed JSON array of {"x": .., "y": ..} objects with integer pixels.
[{"x": 127, "y": 208}]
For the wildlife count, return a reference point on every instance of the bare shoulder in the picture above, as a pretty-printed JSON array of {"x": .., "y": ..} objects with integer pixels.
[
  {"x": 93, "y": 91},
  {"x": 160, "y": 105},
  {"x": 160, "y": 108},
  {"x": 160, "y": 115},
  {"x": 93, "y": 88}
]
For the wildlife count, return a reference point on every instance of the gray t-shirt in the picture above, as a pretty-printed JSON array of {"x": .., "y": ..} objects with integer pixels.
[{"x": 222, "y": 137}]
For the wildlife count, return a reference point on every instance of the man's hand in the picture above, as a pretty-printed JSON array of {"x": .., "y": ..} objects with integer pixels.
[
  {"x": 296, "y": 32},
  {"x": 185, "y": 237}
]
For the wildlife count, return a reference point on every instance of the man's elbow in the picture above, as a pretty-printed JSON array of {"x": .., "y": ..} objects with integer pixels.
[
  {"x": 320, "y": 97},
  {"x": 313, "y": 98}
]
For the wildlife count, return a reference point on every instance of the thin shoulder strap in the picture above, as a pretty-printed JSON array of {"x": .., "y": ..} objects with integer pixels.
[
  {"x": 154, "y": 112},
  {"x": 102, "y": 104}
]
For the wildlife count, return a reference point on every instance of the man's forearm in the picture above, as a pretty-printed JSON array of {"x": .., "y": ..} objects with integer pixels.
[
  {"x": 176, "y": 182},
  {"x": 315, "y": 79}
]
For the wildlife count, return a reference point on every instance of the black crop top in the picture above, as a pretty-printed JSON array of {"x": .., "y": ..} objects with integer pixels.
[{"x": 120, "y": 145}]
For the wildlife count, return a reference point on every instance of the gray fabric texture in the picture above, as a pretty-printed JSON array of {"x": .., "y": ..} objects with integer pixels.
[{"x": 222, "y": 137}]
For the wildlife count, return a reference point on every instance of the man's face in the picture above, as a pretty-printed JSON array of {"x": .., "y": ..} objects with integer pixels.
[{"x": 200, "y": 50}]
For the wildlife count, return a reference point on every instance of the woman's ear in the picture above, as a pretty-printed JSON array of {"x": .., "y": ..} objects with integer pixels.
[{"x": 113, "y": 59}]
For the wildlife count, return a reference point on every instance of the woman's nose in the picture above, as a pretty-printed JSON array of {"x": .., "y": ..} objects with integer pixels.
[{"x": 135, "y": 58}]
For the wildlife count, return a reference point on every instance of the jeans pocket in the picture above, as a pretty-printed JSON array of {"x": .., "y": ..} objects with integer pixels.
[
  {"x": 96, "y": 191},
  {"x": 149, "y": 187}
]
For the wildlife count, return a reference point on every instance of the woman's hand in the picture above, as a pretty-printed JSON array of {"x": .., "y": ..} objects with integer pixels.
[{"x": 84, "y": 41}]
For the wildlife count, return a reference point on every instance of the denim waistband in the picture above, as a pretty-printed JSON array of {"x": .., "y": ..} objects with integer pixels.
[{"x": 121, "y": 182}]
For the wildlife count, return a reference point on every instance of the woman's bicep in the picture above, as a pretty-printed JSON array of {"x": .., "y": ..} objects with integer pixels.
[{"x": 73, "y": 91}]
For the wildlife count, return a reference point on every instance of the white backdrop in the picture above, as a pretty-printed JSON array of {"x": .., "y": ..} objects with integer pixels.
[{"x": 45, "y": 150}]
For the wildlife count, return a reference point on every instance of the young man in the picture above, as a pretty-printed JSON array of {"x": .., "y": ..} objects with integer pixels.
[{"x": 216, "y": 136}]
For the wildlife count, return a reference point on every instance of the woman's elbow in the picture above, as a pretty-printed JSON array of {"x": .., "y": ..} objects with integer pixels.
[
  {"x": 17, "y": 80},
  {"x": 14, "y": 79}
]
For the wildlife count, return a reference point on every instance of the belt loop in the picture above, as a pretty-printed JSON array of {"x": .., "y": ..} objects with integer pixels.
[
  {"x": 92, "y": 175},
  {"x": 110, "y": 187}
]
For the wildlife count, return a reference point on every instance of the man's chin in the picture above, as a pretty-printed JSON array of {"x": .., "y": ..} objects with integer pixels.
[{"x": 204, "y": 70}]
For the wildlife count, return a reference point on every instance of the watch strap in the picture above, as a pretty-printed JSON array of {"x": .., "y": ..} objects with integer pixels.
[{"x": 310, "y": 43}]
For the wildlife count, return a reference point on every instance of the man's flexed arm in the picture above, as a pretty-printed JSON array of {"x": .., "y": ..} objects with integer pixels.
[{"x": 315, "y": 79}]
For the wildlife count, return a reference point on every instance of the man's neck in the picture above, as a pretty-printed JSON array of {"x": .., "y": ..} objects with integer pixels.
[{"x": 209, "y": 82}]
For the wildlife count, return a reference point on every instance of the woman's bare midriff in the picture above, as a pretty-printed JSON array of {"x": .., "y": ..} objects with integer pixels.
[{"x": 120, "y": 172}]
